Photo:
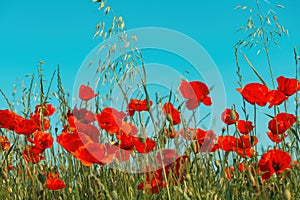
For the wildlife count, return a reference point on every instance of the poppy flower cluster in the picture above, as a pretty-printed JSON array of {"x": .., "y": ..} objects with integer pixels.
[
  {"x": 81, "y": 137},
  {"x": 256, "y": 93},
  {"x": 14, "y": 122},
  {"x": 202, "y": 141},
  {"x": 230, "y": 117},
  {"x": 242, "y": 145},
  {"x": 85, "y": 131},
  {"x": 112, "y": 121},
  {"x": 41, "y": 141},
  {"x": 33, "y": 127}
]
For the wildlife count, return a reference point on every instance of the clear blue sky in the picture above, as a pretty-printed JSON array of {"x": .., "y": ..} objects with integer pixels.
[{"x": 61, "y": 32}]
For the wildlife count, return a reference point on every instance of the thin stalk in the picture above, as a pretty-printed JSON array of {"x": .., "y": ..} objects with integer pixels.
[{"x": 265, "y": 43}]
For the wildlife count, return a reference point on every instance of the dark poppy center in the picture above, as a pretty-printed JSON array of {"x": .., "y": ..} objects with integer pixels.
[{"x": 276, "y": 166}]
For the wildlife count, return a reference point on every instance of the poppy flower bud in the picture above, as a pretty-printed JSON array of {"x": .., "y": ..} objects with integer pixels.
[
  {"x": 229, "y": 116},
  {"x": 169, "y": 118}
]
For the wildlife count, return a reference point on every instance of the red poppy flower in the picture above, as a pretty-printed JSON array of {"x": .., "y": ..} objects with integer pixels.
[
  {"x": 127, "y": 142},
  {"x": 144, "y": 145},
  {"x": 32, "y": 154},
  {"x": 90, "y": 153},
  {"x": 86, "y": 93},
  {"x": 41, "y": 140},
  {"x": 48, "y": 110},
  {"x": 88, "y": 129},
  {"x": 229, "y": 116},
  {"x": 166, "y": 157},
  {"x": 274, "y": 161},
  {"x": 242, "y": 146},
  {"x": 36, "y": 118},
  {"x": 255, "y": 93},
  {"x": 215, "y": 147},
  {"x": 227, "y": 143},
  {"x": 195, "y": 92},
  {"x": 281, "y": 123},
  {"x": 154, "y": 182},
  {"x": 14, "y": 122},
  {"x": 128, "y": 128},
  {"x": 136, "y": 105},
  {"x": 245, "y": 127},
  {"x": 72, "y": 141},
  {"x": 172, "y": 114},
  {"x": 26, "y": 127},
  {"x": 9, "y": 119},
  {"x": 110, "y": 120},
  {"x": 276, "y": 137},
  {"x": 53, "y": 182},
  {"x": 205, "y": 141},
  {"x": 4, "y": 143},
  {"x": 71, "y": 121},
  {"x": 275, "y": 98},
  {"x": 248, "y": 152},
  {"x": 83, "y": 115},
  {"x": 288, "y": 86}
]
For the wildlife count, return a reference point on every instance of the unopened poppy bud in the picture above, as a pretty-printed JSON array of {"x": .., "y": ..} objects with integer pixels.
[
  {"x": 229, "y": 116},
  {"x": 169, "y": 118}
]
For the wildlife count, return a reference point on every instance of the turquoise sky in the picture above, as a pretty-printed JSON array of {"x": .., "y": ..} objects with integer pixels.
[{"x": 61, "y": 32}]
